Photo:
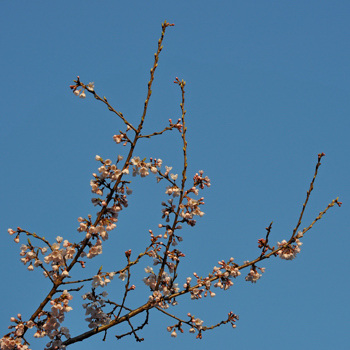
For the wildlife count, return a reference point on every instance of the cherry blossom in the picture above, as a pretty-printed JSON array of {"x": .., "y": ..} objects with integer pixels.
[{"x": 90, "y": 86}]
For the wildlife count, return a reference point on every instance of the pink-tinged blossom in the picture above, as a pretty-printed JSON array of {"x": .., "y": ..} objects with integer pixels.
[
  {"x": 38, "y": 263},
  {"x": 82, "y": 95},
  {"x": 136, "y": 161},
  {"x": 118, "y": 138},
  {"x": 10, "y": 231},
  {"x": 24, "y": 247},
  {"x": 149, "y": 269},
  {"x": 143, "y": 171},
  {"x": 65, "y": 273},
  {"x": 153, "y": 170},
  {"x": 116, "y": 175},
  {"x": 198, "y": 323},
  {"x": 30, "y": 324},
  {"x": 196, "y": 293},
  {"x": 168, "y": 168},
  {"x": 122, "y": 275},
  {"x": 82, "y": 227},
  {"x": 19, "y": 329},
  {"x": 90, "y": 87}
]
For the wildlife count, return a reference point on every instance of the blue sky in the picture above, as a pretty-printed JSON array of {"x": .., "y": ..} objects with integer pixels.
[{"x": 267, "y": 90}]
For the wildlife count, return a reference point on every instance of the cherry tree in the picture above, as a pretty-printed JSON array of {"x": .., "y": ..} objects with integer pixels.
[{"x": 60, "y": 261}]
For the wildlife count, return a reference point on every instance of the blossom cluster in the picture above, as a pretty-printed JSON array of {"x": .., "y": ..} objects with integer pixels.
[
  {"x": 58, "y": 256},
  {"x": 168, "y": 208},
  {"x": 122, "y": 137},
  {"x": 101, "y": 280},
  {"x": 194, "y": 323},
  {"x": 50, "y": 326},
  {"x": 14, "y": 339},
  {"x": 107, "y": 171},
  {"x": 196, "y": 293},
  {"x": 78, "y": 92},
  {"x": 192, "y": 207},
  {"x": 98, "y": 232},
  {"x": 225, "y": 272},
  {"x": 142, "y": 168},
  {"x": 290, "y": 251},
  {"x": 93, "y": 309},
  {"x": 253, "y": 276},
  {"x": 10, "y": 343},
  {"x": 199, "y": 180},
  {"x": 166, "y": 287},
  {"x": 178, "y": 124},
  {"x": 29, "y": 255}
]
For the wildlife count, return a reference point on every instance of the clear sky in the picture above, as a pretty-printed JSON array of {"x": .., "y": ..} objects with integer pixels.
[{"x": 267, "y": 90}]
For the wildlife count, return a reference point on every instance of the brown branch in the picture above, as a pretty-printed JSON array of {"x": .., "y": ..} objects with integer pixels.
[
  {"x": 155, "y": 65},
  {"x": 104, "y": 100},
  {"x": 133, "y": 331},
  {"x": 35, "y": 236},
  {"x": 183, "y": 135},
  {"x": 113, "y": 323},
  {"x": 126, "y": 291},
  {"x": 320, "y": 155},
  {"x": 171, "y": 315},
  {"x": 158, "y": 132}
]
